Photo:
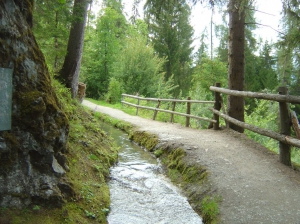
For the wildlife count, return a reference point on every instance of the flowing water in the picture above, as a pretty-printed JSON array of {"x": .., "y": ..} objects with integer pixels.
[{"x": 140, "y": 193}]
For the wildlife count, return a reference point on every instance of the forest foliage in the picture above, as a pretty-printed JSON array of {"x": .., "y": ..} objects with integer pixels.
[{"x": 155, "y": 56}]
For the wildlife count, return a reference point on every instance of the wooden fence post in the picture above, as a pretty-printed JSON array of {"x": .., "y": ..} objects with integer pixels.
[
  {"x": 188, "y": 111},
  {"x": 173, "y": 109},
  {"x": 217, "y": 106},
  {"x": 285, "y": 128},
  {"x": 137, "y": 109},
  {"x": 155, "y": 112},
  {"x": 122, "y": 99}
]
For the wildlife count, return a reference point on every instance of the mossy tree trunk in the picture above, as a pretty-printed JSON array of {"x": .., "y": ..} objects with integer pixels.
[
  {"x": 32, "y": 160},
  {"x": 69, "y": 73}
]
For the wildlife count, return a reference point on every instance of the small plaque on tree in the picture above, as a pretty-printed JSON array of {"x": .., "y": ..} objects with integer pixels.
[{"x": 5, "y": 98}]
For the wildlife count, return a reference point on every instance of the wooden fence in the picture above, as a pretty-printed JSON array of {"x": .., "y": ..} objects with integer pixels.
[
  {"x": 287, "y": 118},
  {"x": 188, "y": 102},
  {"x": 286, "y": 121}
]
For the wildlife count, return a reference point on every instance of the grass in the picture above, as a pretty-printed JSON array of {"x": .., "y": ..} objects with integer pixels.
[
  {"x": 210, "y": 209},
  {"x": 90, "y": 154}
]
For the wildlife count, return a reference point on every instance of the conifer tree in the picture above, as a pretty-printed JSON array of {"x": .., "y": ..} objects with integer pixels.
[{"x": 171, "y": 35}]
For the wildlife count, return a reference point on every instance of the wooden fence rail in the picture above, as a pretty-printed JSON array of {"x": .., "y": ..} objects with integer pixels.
[
  {"x": 284, "y": 138},
  {"x": 172, "y": 112},
  {"x": 167, "y": 100},
  {"x": 263, "y": 96}
]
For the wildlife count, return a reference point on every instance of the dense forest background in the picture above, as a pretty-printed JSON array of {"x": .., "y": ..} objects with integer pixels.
[{"x": 154, "y": 56}]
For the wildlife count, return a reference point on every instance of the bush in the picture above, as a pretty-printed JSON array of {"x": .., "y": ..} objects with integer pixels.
[{"x": 114, "y": 91}]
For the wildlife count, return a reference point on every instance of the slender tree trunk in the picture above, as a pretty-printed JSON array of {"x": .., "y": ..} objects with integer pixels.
[
  {"x": 236, "y": 60},
  {"x": 69, "y": 73},
  {"x": 55, "y": 66}
]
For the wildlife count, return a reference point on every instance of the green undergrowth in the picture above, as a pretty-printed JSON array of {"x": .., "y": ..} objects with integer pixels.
[
  {"x": 191, "y": 178},
  {"x": 90, "y": 154}
]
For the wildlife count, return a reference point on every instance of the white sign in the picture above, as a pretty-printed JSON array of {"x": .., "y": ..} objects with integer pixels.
[{"x": 5, "y": 98}]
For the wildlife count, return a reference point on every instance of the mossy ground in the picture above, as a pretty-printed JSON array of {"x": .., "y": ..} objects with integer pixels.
[{"x": 90, "y": 154}]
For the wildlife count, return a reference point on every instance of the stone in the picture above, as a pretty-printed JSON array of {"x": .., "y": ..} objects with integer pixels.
[{"x": 57, "y": 168}]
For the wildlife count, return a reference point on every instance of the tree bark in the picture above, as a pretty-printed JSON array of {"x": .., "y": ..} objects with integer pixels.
[
  {"x": 69, "y": 73},
  {"x": 236, "y": 61},
  {"x": 285, "y": 128}
]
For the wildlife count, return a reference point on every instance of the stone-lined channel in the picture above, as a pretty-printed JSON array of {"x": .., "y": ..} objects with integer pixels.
[{"x": 140, "y": 193}]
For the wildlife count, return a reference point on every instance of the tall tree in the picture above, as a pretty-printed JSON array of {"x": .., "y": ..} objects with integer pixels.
[
  {"x": 236, "y": 56},
  {"x": 171, "y": 35},
  {"x": 259, "y": 69},
  {"x": 251, "y": 78},
  {"x": 236, "y": 60},
  {"x": 69, "y": 73}
]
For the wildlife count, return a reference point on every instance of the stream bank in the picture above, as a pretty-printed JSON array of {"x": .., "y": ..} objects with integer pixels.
[
  {"x": 140, "y": 193},
  {"x": 191, "y": 178}
]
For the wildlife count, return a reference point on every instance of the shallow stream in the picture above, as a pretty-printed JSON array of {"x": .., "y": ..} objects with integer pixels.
[{"x": 140, "y": 193}]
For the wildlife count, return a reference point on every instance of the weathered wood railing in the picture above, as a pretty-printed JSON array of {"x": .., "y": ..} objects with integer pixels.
[
  {"x": 284, "y": 138},
  {"x": 287, "y": 118},
  {"x": 172, "y": 112}
]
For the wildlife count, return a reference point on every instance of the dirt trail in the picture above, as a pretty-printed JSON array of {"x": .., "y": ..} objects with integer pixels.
[{"x": 254, "y": 186}]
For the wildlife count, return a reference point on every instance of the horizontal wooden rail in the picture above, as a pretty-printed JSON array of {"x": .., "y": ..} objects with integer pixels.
[
  {"x": 168, "y": 100},
  {"x": 171, "y": 112},
  {"x": 265, "y": 96},
  {"x": 284, "y": 138},
  {"x": 279, "y": 137}
]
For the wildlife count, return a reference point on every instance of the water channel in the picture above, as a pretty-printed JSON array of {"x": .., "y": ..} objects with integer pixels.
[{"x": 140, "y": 193}]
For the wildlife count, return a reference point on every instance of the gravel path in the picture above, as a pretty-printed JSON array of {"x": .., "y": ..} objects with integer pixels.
[{"x": 254, "y": 186}]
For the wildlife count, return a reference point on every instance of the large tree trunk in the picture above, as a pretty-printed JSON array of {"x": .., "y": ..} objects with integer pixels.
[
  {"x": 69, "y": 73},
  {"x": 31, "y": 153},
  {"x": 236, "y": 60}
]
